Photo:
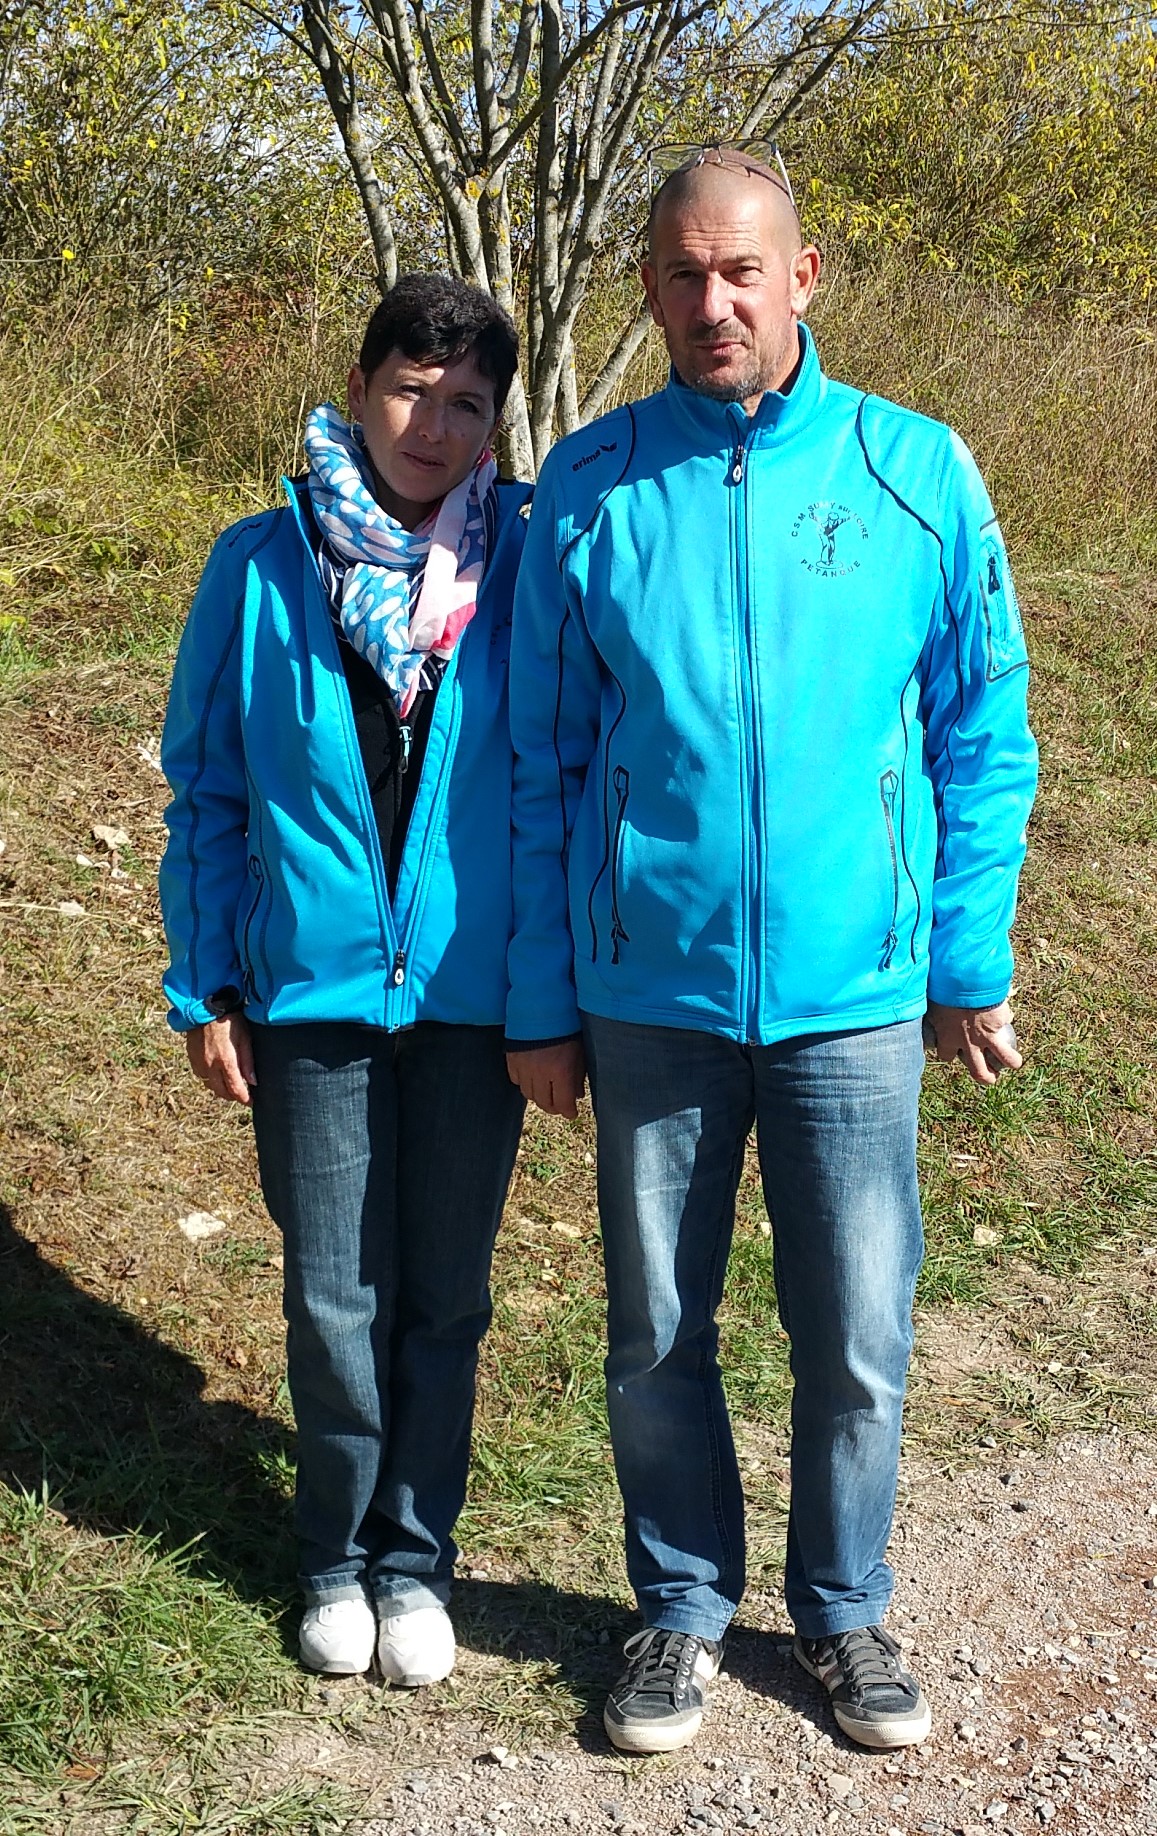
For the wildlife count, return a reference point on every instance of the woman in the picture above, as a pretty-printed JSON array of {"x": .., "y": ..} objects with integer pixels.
[{"x": 336, "y": 891}]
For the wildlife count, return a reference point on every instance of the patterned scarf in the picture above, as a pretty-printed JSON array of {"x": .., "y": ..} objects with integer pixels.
[{"x": 406, "y": 595}]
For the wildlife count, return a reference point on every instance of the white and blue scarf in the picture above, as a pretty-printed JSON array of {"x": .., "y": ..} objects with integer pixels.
[{"x": 406, "y": 595}]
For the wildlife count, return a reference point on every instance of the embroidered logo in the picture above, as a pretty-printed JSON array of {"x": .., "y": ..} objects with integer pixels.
[
  {"x": 822, "y": 523},
  {"x": 589, "y": 458}
]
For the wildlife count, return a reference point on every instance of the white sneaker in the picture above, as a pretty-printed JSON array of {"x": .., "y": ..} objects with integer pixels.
[
  {"x": 416, "y": 1648},
  {"x": 338, "y": 1638}
]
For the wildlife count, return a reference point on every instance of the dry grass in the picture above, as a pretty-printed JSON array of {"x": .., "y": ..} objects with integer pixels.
[{"x": 142, "y": 1378}]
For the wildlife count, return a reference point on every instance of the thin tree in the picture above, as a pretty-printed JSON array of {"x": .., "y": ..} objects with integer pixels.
[{"x": 530, "y": 122}]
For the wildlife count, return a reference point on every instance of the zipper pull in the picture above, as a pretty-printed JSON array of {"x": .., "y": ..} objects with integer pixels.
[
  {"x": 738, "y": 461},
  {"x": 407, "y": 733},
  {"x": 399, "y": 968}
]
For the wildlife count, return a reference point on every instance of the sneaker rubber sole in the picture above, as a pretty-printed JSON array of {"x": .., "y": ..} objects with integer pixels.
[
  {"x": 878, "y": 1732},
  {"x": 668, "y": 1736}
]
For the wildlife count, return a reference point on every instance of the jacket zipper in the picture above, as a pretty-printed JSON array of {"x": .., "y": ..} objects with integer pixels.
[
  {"x": 751, "y": 951},
  {"x": 430, "y": 835},
  {"x": 619, "y": 935},
  {"x": 608, "y": 844},
  {"x": 889, "y": 785},
  {"x": 258, "y": 873}
]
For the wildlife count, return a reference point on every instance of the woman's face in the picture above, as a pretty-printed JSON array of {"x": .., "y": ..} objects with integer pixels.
[{"x": 425, "y": 426}]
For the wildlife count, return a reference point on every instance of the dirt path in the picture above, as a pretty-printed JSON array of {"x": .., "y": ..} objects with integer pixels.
[{"x": 1027, "y": 1601}]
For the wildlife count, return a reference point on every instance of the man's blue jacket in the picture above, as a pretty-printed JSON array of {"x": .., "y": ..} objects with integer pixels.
[
  {"x": 768, "y": 686},
  {"x": 273, "y": 880}
]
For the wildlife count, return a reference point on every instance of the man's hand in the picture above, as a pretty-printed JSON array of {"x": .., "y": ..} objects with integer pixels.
[
  {"x": 553, "y": 1077},
  {"x": 971, "y": 1034},
  {"x": 222, "y": 1056}
]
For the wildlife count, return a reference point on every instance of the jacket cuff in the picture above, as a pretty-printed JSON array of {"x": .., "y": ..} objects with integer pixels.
[
  {"x": 948, "y": 994},
  {"x": 539, "y": 1045}
]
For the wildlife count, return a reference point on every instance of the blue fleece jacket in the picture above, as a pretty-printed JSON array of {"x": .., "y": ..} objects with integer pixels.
[
  {"x": 768, "y": 678},
  {"x": 273, "y": 881}
]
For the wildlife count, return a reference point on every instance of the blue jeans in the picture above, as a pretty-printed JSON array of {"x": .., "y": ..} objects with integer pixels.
[
  {"x": 385, "y": 1159},
  {"x": 836, "y": 1121}
]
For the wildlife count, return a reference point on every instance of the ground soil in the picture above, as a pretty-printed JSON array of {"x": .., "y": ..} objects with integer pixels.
[{"x": 1026, "y": 1601}]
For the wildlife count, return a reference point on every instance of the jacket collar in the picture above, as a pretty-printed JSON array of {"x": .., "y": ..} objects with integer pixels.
[{"x": 720, "y": 426}]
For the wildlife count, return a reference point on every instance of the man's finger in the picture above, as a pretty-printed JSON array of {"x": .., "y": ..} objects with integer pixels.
[{"x": 976, "y": 1064}]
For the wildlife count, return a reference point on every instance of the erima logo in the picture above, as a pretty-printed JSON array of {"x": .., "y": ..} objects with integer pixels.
[
  {"x": 826, "y": 520},
  {"x": 591, "y": 457}
]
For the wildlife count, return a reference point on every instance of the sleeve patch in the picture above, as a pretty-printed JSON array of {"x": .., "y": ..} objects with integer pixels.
[{"x": 1004, "y": 628}]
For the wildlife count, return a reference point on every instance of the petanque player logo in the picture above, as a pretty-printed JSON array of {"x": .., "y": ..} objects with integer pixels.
[{"x": 825, "y": 521}]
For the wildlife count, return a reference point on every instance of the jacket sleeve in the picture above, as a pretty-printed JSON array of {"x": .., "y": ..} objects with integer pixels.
[
  {"x": 980, "y": 752},
  {"x": 203, "y": 869},
  {"x": 555, "y": 691}
]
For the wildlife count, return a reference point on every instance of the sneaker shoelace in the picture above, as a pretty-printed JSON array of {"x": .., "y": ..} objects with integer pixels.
[
  {"x": 660, "y": 1661},
  {"x": 868, "y": 1659}
]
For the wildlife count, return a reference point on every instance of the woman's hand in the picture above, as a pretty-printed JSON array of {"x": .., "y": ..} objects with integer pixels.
[
  {"x": 221, "y": 1054},
  {"x": 553, "y": 1077}
]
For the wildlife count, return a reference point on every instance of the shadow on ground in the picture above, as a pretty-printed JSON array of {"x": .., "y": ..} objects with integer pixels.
[{"x": 113, "y": 1422}]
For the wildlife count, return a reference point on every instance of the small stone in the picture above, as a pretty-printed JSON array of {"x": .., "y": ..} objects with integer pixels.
[
  {"x": 996, "y": 1810},
  {"x": 840, "y": 1785},
  {"x": 1021, "y": 1504},
  {"x": 1020, "y": 1744},
  {"x": 1046, "y": 1810},
  {"x": 966, "y": 1730},
  {"x": 612, "y": 1807}
]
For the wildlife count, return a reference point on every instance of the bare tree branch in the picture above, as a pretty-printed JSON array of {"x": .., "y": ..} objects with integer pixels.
[
  {"x": 511, "y": 90},
  {"x": 615, "y": 367},
  {"x": 339, "y": 83}
]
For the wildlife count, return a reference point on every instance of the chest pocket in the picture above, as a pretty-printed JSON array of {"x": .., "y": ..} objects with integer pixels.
[{"x": 1004, "y": 629}]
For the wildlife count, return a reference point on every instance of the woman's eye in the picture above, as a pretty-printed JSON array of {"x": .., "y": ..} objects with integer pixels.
[{"x": 467, "y": 407}]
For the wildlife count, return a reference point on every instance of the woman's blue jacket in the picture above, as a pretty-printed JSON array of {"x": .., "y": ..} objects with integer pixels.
[
  {"x": 768, "y": 699},
  {"x": 273, "y": 881}
]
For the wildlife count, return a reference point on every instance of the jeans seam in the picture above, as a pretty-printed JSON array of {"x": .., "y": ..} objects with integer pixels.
[{"x": 712, "y": 1434}]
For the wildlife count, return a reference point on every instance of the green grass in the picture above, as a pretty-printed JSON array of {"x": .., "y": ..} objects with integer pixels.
[
  {"x": 146, "y": 1548},
  {"x": 102, "y": 1633}
]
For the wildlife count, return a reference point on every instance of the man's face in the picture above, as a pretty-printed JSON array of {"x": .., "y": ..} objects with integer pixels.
[{"x": 727, "y": 281}]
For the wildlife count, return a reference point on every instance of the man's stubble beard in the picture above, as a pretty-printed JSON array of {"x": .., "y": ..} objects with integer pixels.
[{"x": 757, "y": 379}]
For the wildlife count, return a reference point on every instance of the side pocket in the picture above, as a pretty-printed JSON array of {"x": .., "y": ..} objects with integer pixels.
[
  {"x": 1003, "y": 626},
  {"x": 622, "y": 783},
  {"x": 889, "y": 785},
  {"x": 258, "y": 873}
]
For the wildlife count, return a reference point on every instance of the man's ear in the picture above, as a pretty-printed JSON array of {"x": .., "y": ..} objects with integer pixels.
[
  {"x": 651, "y": 288},
  {"x": 805, "y": 274}
]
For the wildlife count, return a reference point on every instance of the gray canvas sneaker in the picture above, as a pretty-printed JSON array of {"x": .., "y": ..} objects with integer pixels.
[
  {"x": 875, "y": 1702},
  {"x": 658, "y": 1702}
]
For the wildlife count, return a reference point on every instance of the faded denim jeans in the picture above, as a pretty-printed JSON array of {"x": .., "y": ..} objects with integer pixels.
[
  {"x": 385, "y": 1159},
  {"x": 835, "y": 1115}
]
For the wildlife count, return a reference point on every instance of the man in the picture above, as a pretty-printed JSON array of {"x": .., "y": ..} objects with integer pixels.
[{"x": 773, "y": 773}]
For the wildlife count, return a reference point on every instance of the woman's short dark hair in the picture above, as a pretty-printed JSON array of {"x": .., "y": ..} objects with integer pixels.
[{"x": 433, "y": 318}]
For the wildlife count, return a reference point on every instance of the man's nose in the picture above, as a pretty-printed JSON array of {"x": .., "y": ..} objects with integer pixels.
[{"x": 716, "y": 301}]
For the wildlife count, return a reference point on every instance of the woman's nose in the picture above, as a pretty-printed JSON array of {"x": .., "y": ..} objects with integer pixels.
[{"x": 429, "y": 420}]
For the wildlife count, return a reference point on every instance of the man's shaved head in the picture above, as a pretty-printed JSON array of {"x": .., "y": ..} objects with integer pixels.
[
  {"x": 682, "y": 188},
  {"x": 728, "y": 277}
]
